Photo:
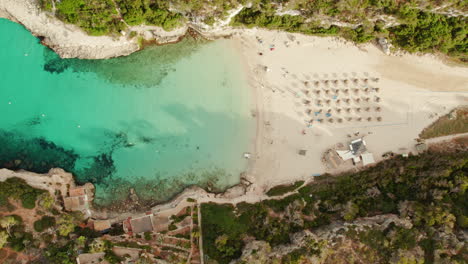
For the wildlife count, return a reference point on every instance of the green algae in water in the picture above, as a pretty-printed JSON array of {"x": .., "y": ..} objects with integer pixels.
[{"x": 157, "y": 121}]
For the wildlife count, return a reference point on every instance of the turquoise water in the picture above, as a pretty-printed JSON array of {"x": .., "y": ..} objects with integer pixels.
[{"x": 158, "y": 120}]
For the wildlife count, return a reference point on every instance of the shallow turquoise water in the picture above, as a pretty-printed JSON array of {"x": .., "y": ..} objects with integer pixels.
[{"x": 157, "y": 121}]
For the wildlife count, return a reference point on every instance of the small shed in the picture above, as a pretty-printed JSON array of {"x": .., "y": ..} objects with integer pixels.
[
  {"x": 358, "y": 146},
  {"x": 345, "y": 154}
]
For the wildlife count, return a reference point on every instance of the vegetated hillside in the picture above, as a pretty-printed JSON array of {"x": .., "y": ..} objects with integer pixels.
[
  {"x": 455, "y": 122},
  {"x": 416, "y": 26},
  {"x": 403, "y": 210}
]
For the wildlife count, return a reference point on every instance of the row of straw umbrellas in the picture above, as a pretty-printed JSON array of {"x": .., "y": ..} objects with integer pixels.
[
  {"x": 345, "y": 100},
  {"x": 343, "y": 81},
  {"x": 344, "y": 110},
  {"x": 344, "y": 90},
  {"x": 349, "y": 119}
]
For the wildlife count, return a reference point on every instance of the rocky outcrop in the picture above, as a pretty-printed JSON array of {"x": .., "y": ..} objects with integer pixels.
[
  {"x": 54, "y": 180},
  {"x": 68, "y": 41}
]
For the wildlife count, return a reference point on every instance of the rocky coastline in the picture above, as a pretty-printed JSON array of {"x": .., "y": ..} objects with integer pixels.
[{"x": 69, "y": 41}]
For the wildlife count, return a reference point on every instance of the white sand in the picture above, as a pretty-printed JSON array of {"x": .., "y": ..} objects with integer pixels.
[{"x": 414, "y": 92}]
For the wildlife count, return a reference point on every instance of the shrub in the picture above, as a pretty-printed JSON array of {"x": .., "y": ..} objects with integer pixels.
[
  {"x": 282, "y": 189},
  {"x": 44, "y": 223},
  {"x": 148, "y": 236}
]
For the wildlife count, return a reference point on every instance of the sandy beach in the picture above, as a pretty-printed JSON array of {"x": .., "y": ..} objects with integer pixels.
[{"x": 313, "y": 93}]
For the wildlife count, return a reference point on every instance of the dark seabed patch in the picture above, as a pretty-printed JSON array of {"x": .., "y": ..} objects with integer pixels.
[{"x": 146, "y": 68}]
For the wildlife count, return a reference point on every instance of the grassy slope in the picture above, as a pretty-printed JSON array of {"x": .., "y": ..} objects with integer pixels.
[{"x": 446, "y": 126}]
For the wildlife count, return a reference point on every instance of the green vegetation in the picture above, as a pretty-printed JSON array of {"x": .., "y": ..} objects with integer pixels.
[
  {"x": 96, "y": 17},
  {"x": 283, "y": 189},
  {"x": 44, "y": 223},
  {"x": 433, "y": 32},
  {"x": 420, "y": 28},
  {"x": 429, "y": 190},
  {"x": 16, "y": 188},
  {"x": 453, "y": 123},
  {"x": 148, "y": 236},
  {"x": 179, "y": 218},
  {"x": 65, "y": 224},
  {"x": 136, "y": 12}
]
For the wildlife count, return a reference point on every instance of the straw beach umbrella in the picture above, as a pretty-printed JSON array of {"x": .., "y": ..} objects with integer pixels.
[
  {"x": 378, "y": 109},
  {"x": 379, "y": 119},
  {"x": 369, "y": 119}
]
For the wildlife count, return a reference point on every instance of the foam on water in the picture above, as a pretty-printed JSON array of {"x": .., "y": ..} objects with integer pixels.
[{"x": 157, "y": 121}]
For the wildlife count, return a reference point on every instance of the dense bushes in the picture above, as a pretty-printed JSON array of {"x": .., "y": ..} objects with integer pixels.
[
  {"x": 97, "y": 17},
  {"x": 222, "y": 233},
  {"x": 44, "y": 223},
  {"x": 420, "y": 29},
  {"x": 136, "y": 12},
  {"x": 283, "y": 189},
  {"x": 433, "y": 32},
  {"x": 16, "y": 188},
  {"x": 429, "y": 189}
]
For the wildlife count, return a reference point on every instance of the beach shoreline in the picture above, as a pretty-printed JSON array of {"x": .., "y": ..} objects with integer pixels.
[
  {"x": 410, "y": 97},
  {"x": 288, "y": 74}
]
